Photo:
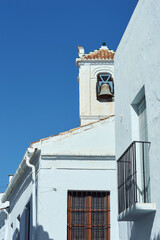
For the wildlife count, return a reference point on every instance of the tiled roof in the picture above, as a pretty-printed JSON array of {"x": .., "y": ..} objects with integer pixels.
[{"x": 100, "y": 54}]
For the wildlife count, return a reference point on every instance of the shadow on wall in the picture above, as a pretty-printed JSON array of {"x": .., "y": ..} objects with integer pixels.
[
  {"x": 24, "y": 227},
  {"x": 16, "y": 235},
  {"x": 2, "y": 222},
  {"x": 40, "y": 234},
  {"x": 157, "y": 237},
  {"x": 141, "y": 229}
]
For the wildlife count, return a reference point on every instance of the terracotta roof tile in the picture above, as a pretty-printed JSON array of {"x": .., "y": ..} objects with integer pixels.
[{"x": 101, "y": 54}]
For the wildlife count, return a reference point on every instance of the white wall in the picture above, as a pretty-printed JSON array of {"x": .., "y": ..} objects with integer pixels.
[
  {"x": 3, "y": 218},
  {"x": 56, "y": 177},
  {"x": 80, "y": 159},
  {"x": 90, "y": 108},
  {"x": 137, "y": 64},
  {"x": 95, "y": 139},
  {"x": 3, "y": 224},
  {"x": 19, "y": 198}
]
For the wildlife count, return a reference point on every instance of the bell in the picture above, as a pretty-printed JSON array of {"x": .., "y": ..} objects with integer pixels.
[{"x": 105, "y": 92}]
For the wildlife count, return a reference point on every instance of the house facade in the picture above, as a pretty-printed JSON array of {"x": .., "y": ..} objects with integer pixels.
[
  {"x": 66, "y": 185},
  {"x": 3, "y": 218},
  {"x": 137, "y": 111}
]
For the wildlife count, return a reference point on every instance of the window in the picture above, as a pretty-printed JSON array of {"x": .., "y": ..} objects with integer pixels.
[
  {"x": 143, "y": 136},
  {"x": 133, "y": 164},
  {"x": 27, "y": 221},
  {"x": 88, "y": 215}
]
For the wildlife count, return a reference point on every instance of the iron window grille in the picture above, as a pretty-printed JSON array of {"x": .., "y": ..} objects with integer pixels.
[
  {"x": 133, "y": 175},
  {"x": 88, "y": 215}
]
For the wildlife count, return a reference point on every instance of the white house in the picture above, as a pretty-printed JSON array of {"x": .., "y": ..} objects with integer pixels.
[
  {"x": 3, "y": 218},
  {"x": 137, "y": 104},
  {"x": 66, "y": 186}
]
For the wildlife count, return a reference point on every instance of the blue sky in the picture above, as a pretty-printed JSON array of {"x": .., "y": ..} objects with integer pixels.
[{"x": 38, "y": 75}]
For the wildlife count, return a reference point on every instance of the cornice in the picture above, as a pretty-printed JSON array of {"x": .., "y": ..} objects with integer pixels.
[
  {"x": 77, "y": 157},
  {"x": 94, "y": 61}
]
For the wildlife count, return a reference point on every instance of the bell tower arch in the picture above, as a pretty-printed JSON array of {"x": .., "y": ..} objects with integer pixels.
[{"x": 96, "y": 84}]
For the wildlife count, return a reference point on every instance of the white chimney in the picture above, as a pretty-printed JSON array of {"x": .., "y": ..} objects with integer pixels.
[
  {"x": 10, "y": 177},
  {"x": 80, "y": 51}
]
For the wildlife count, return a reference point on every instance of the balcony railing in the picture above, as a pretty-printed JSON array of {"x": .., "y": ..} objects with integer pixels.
[{"x": 133, "y": 176}]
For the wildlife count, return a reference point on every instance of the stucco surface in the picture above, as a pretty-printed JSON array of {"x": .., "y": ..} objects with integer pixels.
[
  {"x": 3, "y": 218},
  {"x": 54, "y": 184},
  {"x": 89, "y": 140},
  {"x": 80, "y": 159},
  {"x": 90, "y": 107},
  {"x": 19, "y": 198},
  {"x": 137, "y": 65}
]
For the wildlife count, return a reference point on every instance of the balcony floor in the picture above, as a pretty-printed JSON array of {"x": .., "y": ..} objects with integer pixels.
[{"x": 136, "y": 211}]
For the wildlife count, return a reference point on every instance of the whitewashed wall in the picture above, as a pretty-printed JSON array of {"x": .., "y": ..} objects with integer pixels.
[
  {"x": 137, "y": 64},
  {"x": 56, "y": 177},
  {"x": 82, "y": 159},
  {"x": 90, "y": 108},
  {"x": 3, "y": 218},
  {"x": 19, "y": 198}
]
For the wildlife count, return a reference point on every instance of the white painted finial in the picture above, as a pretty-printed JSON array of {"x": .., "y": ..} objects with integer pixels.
[{"x": 80, "y": 51}]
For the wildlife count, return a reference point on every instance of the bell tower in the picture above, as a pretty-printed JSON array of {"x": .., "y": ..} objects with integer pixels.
[{"x": 96, "y": 84}]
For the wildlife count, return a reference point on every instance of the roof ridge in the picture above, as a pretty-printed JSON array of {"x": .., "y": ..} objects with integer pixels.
[
  {"x": 98, "y": 50},
  {"x": 71, "y": 130},
  {"x": 102, "y": 53}
]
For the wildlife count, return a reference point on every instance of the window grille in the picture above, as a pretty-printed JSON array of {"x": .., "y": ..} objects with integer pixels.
[
  {"x": 133, "y": 175},
  {"x": 88, "y": 215}
]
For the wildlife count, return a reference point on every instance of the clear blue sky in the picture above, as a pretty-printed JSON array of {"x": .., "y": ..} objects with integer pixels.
[{"x": 38, "y": 75}]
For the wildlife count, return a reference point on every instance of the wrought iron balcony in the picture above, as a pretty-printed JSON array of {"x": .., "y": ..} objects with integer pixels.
[{"x": 134, "y": 181}]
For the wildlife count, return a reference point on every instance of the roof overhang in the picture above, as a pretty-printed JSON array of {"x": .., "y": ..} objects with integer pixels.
[{"x": 29, "y": 153}]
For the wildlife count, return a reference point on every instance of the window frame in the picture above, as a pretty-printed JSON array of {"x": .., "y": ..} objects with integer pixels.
[{"x": 89, "y": 209}]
